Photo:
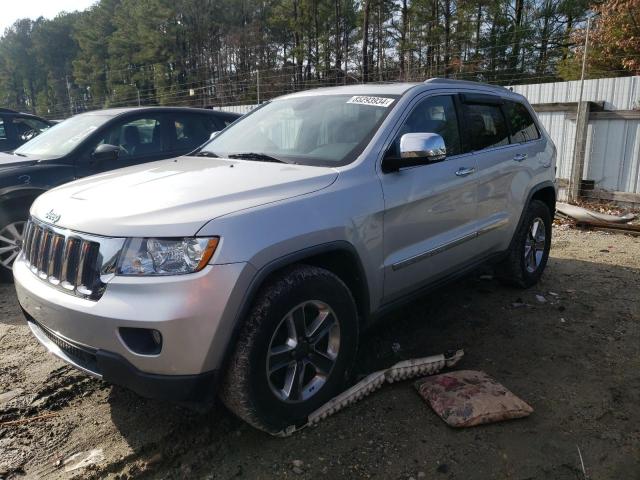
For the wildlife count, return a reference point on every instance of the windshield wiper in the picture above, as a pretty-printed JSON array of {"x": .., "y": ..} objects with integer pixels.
[
  {"x": 204, "y": 153},
  {"x": 19, "y": 154},
  {"x": 261, "y": 157}
]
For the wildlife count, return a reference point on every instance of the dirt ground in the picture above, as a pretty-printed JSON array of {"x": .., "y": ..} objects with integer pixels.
[{"x": 575, "y": 358}]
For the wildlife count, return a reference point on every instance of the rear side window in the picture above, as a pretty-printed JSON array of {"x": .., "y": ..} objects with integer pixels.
[
  {"x": 487, "y": 127},
  {"x": 523, "y": 128},
  {"x": 192, "y": 130}
]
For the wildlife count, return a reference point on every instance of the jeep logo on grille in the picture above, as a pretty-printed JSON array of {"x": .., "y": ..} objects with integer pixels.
[{"x": 52, "y": 216}]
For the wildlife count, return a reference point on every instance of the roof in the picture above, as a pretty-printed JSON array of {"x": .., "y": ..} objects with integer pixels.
[
  {"x": 359, "y": 89},
  {"x": 464, "y": 83},
  {"x": 12, "y": 113},
  {"x": 113, "y": 112},
  {"x": 400, "y": 88}
]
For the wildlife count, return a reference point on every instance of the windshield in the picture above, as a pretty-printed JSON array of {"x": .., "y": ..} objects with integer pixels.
[
  {"x": 321, "y": 130},
  {"x": 63, "y": 137}
]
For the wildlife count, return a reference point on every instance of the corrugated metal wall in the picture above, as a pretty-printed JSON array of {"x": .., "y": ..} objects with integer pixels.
[
  {"x": 612, "y": 155},
  {"x": 613, "y": 150},
  {"x": 620, "y": 93}
]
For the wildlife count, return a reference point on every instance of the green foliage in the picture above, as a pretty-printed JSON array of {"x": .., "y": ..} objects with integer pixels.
[{"x": 211, "y": 52}]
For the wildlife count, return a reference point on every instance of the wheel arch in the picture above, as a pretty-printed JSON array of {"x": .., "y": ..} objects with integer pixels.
[
  {"x": 19, "y": 196},
  {"x": 338, "y": 257},
  {"x": 546, "y": 193}
]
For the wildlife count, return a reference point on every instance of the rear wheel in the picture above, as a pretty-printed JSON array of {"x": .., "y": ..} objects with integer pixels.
[
  {"x": 294, "y": 351},
  {"x": 12, "y": 228},
  {"x": 529, "y": 250}
]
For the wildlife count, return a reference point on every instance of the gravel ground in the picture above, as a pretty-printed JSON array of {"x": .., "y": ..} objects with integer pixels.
[{"x": 574, "y": 357}]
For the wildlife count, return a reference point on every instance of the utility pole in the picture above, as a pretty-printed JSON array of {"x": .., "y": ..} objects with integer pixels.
[
  {"x": 258, "y": 83},
  {"x": 69, "y": 95},
  {"x": 584, "y": 57},
  {"x": 582, "y": 125}
]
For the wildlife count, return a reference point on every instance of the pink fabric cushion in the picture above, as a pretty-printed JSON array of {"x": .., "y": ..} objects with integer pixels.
[{"x": 466, "y": 398}]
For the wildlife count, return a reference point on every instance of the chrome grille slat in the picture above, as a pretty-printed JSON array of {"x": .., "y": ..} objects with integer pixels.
[
  {"x": 84, "y": 250},
  {"x": 43, "y": 247},
  {"x": 33, "y": 251},
  {"x": 55, "y": 259},
  {"x": 27, "y": 237},
  {"x": 68, "y": 261}
]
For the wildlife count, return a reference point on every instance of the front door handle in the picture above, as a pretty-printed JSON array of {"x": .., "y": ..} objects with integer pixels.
[
  {"x": 520, "y": 157},
  {"x": 463, "y": 172}
]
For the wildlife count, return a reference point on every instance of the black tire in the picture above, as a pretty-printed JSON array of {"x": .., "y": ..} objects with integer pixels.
[
  {"x": 7, "y": 218},
  {"x": 518, "y": 268},
  {"x": 247, "y": 389}
]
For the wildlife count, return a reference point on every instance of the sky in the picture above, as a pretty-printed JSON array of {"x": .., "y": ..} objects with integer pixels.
[{"x": 12, "y": 10}]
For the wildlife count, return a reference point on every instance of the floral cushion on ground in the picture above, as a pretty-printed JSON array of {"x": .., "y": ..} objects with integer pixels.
[{"x": 466, "y": 398}]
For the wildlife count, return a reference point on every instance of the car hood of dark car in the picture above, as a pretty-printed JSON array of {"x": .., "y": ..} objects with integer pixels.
[{"x": 9, "y": 160}]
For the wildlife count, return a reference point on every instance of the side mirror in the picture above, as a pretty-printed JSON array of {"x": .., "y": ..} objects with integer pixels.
[
  {"x": 105, "y": 152},
  {"x": 416, "y": 149},
  {"x": 213, "y": 135}
]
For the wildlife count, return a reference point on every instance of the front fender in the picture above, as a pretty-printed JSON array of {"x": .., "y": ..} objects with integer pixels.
[{"x": 13, "y": 195}]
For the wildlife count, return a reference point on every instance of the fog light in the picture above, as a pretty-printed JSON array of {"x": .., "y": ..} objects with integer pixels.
[{"x": 143, "y": 341}]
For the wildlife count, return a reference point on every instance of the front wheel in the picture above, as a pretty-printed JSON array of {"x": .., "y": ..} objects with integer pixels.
[
  {"x": 11, "y": 237},
  {"x": 529, "y": 251},
  {"x": 294, "y": 351}
]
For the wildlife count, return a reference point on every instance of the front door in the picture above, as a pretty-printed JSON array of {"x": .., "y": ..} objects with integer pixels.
[
  {"x": 430, "y": 210},
  {"x": 141, "y": 139}
]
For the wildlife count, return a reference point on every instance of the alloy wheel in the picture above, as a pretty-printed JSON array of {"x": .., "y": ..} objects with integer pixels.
[
  {"x": 534, "y": 245},
  {"x": 11, "y": 237},
  {"x": 303, "y": 351}
]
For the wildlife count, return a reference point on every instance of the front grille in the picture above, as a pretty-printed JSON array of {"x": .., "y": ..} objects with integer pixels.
[
  {"x": 83, "y": 356},
  {"x": 63, "y": 259}
]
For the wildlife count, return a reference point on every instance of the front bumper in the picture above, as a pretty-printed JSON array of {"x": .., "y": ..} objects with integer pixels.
[
  {"x": 194, "y": 313},
  {"x": 115, "y": 369}
]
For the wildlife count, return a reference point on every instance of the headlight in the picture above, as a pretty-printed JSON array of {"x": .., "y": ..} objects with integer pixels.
[{"x": 166, "y": 256}]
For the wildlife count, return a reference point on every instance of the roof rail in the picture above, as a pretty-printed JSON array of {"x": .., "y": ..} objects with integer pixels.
[
  {"x": 463, "y": 82},
  {"x": 8, "y": 110}
]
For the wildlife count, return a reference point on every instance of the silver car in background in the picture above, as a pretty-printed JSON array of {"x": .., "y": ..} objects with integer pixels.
[{"x": 250, "y": 267}]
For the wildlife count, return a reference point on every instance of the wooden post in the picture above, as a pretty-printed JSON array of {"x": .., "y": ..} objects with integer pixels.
[{"x": 579, "y": 150}]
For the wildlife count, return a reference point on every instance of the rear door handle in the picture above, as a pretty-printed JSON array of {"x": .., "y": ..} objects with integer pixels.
[
  {"x": 463, "y": 172},
  {"x": 520, "y": 157}
]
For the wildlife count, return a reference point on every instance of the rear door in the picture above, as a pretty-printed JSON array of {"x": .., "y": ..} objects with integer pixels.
[
  {"x": 429, "y": 209},
  {"x": 502, "y": 151}
]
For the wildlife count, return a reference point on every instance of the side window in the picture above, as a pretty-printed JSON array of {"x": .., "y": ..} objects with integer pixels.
[
  {"x": 487, "y": 127},
  {"x": 27, "y": 128},
  {"x": 523, "y": 128},
  {"x": 191, "y": 130},
  {"x": 435, "y": 115},
  {"x": 135, "y": 138},
  {"x": 4, "y": 138}
]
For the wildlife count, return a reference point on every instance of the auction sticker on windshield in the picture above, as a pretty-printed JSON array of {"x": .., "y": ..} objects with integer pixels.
[{"x": 375, "y": 101}]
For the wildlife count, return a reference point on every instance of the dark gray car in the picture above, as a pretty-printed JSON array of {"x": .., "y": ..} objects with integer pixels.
[{"x": 92, "y": 143}]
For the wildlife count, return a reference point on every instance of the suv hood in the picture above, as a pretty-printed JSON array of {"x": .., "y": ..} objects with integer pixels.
[{"x": 173, "y": 198}]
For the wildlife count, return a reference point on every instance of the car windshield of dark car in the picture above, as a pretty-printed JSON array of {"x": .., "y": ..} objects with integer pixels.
[
  {"x": 63, "y": 137},
  {"x": 319, "y": 130}
]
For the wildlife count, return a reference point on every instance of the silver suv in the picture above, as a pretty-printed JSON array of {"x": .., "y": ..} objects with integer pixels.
[{"x": 250, "y": 267}]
